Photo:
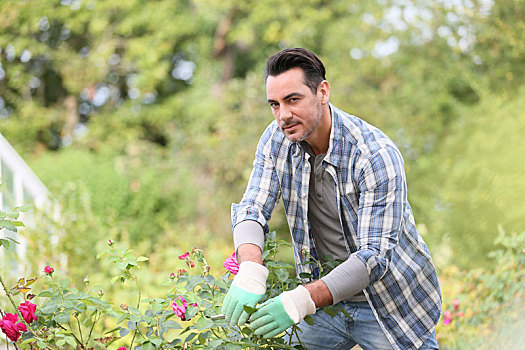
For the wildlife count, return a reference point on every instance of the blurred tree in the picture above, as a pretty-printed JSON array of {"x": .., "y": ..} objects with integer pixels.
[{"x": 166, "y": 96}]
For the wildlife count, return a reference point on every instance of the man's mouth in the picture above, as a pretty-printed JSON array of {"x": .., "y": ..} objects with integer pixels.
[{"x": 289, "y": 126}]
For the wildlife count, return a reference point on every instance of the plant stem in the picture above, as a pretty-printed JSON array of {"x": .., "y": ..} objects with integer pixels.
[
  {"x": 7, "y": 293},
  {"x": 74, "y": 336},
  {"x": 79, "y": 329},
  {"x": 91, "y": 330}
]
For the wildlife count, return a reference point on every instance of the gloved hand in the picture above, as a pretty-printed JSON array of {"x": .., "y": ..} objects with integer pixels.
[
  {"x": 247, "y": 288},
  {"x": 281, "y": 312}
]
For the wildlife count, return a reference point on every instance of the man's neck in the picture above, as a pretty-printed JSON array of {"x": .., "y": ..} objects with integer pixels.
[{"x": 319, "y": 141}]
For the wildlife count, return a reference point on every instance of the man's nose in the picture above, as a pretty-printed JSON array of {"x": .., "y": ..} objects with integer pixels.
[{"x": 285, "y": 114}]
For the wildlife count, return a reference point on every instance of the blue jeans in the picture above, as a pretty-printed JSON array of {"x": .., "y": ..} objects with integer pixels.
[{"x": 341, "y": 333}]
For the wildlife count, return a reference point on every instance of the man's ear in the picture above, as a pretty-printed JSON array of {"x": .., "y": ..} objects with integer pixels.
[{"x": 324, "y": 92}]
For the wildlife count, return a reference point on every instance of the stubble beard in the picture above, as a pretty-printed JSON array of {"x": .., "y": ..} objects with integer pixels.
[{"x": 306, "y": 133}]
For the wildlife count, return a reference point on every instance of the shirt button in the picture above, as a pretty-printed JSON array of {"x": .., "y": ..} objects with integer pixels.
[{"x": 303, "y": 194}]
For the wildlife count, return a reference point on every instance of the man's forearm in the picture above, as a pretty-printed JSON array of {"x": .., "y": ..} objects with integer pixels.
[
  {"x": 320, "y": 293},
  {"x": 249, "y": 252}
]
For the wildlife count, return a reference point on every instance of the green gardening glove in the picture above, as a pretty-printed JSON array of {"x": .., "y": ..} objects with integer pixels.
[
  {"x": 248, "y": 288},
  {"x": 281, "y": 312}
]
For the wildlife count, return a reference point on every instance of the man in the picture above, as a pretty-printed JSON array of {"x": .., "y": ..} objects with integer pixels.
[{"x": 344, "y": 190}]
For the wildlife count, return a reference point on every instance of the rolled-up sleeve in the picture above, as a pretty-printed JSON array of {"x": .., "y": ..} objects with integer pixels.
[
  {"x": 382, "y": 186},
  {"x": 263, "y": 190}
]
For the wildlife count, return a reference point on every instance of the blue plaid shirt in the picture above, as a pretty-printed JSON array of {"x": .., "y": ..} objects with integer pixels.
[{"x": 376, "y": 218}]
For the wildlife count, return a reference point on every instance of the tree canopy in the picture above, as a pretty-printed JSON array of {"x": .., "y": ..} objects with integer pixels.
[{"x": 163, "y": 101}]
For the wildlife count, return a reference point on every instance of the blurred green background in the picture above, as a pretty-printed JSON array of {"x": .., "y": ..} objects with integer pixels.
[{"x": 142, "y": 117}]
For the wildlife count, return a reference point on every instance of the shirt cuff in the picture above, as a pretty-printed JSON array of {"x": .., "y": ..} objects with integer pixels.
[
  {"x": 347, "y": 279},
  {"x": 248, "y": 231}
]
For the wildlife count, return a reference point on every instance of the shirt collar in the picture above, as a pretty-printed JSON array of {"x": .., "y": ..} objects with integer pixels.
[{"x": 336, "y": 145}]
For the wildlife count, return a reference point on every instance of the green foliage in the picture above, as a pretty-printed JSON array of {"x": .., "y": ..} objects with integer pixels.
[
  {"x": 9, "y": 221},
  {"x": 68, "y": 317},
  {"x": 481, "y": 165},
  {"x": 485, "y": 305}
]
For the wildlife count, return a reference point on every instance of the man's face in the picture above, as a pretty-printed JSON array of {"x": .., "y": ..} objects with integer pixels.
[{"x": 295, "y": 107}]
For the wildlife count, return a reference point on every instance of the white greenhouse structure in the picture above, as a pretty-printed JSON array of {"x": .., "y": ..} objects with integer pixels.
[{"x": 19, "y": 186}]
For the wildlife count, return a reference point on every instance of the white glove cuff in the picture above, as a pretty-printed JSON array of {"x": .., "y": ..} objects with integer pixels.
[
  {"x": 251, "y": 277},
  {"x": 298, "y": 303}
]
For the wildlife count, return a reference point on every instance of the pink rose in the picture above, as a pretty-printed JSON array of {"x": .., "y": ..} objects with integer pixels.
[
  {"x": 11, "y": 327},
  {"x": 27, "y": 310},
  {"x": 231, "y": 264},
  {"x": 455, "y": 304},
  {"x": 447, "y": 317},
  {"x": 49, "y": 270},
  {"x": 180, "y": 310},
  {"x": 122, "y": 348},
  {"x": 184, "y": 256}
]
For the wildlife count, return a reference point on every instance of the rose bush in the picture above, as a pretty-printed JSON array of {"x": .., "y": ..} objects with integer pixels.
[{"x": 54, "y": 315}]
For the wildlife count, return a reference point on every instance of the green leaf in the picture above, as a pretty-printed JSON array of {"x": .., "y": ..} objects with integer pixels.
[
  {"x": 13, "y": 215},
  {"x": 332, "y": 312},
  {"x": 114, "y": 279},
  {"x": 250, "y": 310},
  {"x": 170, "y": 324},
  {"x": 71, "y": 341},
  {"x": 24, "y": 208},
  {"x": 61, "y": 342},
  {"x": 49, "y": 308},
  {"x": 155, "y": 340},
  {"x": 142, "y": 258},
  {"x": 18, "y": 223},
  {"x": 191, "y": 311},
  {"x": 41, "y": 344},
  {"x": 190, "y": 337},
  {"x": 214, "y": 344},
  {"x": 148, "y": 346},
  {"x": 305, "y": 275},
  {"x": 112, "y": 330},
  {"x": 282, "y": 274},
  {"x": 45, "y": 294},
  {"x": 204, "y": 323},
  {"x": 135, "y": 318},
  {"x": 123, "y": 332},
  {"x": 27, "y": 341},
  {"x": 12, "y": 240},
  {"x": 122, "y": 265},
  {"x": 5, "y": 243},
  {"x": 309, "y": 319},
  {"x": 230, "y": 346},
  {"x": 101, "y": 254},
  {"x": 62, "y": 317},
  {"x": 247, "y": 330},
  {"x": 265, "y": 254},
  {"x": 8, "y": 225},
  {"x": 347, "y": 314},
  {"x": 123, "y": 317}
]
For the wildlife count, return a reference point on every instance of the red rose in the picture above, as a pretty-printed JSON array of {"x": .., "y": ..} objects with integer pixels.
[
  {"x": 27, "y": 310},
  {"x": 11, "y": 327},
  {"x": 48, "y": 270}
]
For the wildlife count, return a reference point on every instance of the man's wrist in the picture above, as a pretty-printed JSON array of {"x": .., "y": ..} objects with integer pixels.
[
  {"x": 320, "y": 293},
  {"x": 249, "y": 252}
]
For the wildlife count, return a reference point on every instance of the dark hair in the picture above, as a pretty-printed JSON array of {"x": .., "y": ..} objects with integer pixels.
[{"x": 311, "y": 65}]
